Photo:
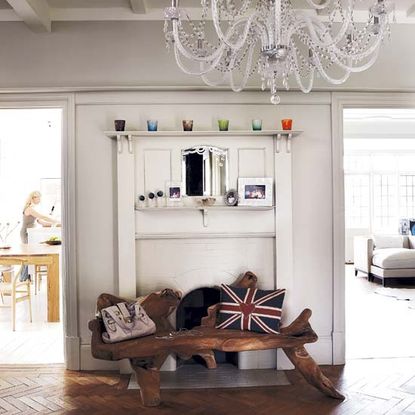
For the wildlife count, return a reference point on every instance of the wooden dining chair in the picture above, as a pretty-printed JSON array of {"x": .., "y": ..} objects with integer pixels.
[
  {"x": 40, "y": 271},
  {"x": 16, "y": 289}
]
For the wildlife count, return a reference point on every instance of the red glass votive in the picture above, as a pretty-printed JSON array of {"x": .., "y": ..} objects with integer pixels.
[{"x": 287, "y": 124}]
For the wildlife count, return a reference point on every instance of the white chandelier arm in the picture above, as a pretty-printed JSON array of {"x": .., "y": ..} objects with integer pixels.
[
  {"x": 277, "y": 21},
  {"x": 226, "y": 38},
  {"x": 244, "y": 7},
  {"x": 319, "y": 6},
  {"x": 305, "y": 89},
  {"x": 325, "y": 75},
  {"x": 189, "y": 55},
  {"x": 334, "y": 50},
  {"x": 189, "y": 71},
  {"x": 246, "y": 74},
  {"x": 356, "y": 69},
  {"x": 309, "y": 21},
  {"x": 209, "y": 82}
]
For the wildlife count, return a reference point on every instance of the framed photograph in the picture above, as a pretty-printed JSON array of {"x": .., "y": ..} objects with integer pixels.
[
  {"x": 255, "y": 191},
  {"x": 404, "y": 226},
  {"x": 231, "y": 197},
  {"x": 174, "y": 191}
]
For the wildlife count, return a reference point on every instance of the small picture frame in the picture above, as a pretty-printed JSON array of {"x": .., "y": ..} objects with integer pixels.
[
  {"x": 231, "y": 197},
  {"x": 255, "y": 191},
  {"x": 174, "y": 191}
]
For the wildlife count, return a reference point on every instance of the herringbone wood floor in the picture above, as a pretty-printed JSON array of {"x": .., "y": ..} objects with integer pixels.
[{"x": 373, "y": 386}]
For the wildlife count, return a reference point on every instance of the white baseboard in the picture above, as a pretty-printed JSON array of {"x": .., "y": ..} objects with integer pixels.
[
  {"x": 339, "y": 349},
  {"x": 72, "y": 358},
  {"x": 89, "y": 363}
]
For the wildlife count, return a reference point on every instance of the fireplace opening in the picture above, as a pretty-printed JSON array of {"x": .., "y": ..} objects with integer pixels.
[{"x": 192, "y": 308}]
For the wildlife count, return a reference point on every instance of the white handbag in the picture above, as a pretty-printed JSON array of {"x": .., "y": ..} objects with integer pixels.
[{"x": 126, "y": 321}]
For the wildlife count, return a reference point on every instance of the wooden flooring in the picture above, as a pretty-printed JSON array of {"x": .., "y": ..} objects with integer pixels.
[
  {"x": 32, "y": 343},
  {"x": 367, "y": 316},
  {"x": 372, "y": 386}
]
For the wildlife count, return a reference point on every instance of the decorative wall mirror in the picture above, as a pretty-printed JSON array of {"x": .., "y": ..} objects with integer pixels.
[{"x": 205, "y": 171}]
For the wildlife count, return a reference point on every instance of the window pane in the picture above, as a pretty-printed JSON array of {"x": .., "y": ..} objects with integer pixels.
[
  {"x": 407, "y": 162},
  {"x": 354, "y": 163},
  {"x": 407, "y": 196},
  {"x": 384, "y": 202},
  {"x": 383, "y": 162},
  {"x": 357, "y": 200}
]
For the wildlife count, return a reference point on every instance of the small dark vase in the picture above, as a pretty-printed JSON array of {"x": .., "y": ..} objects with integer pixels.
[
  {"x": 119, "y": 125},
  {"x": 187, "y": 125}
]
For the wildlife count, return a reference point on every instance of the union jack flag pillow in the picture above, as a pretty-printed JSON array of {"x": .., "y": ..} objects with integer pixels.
[{"x": 250, "y": 309}]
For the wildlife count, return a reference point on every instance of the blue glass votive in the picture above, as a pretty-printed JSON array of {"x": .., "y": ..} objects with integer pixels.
[
  {"x": 257, "y": 125},
  {"x": 152, "y": 125}
]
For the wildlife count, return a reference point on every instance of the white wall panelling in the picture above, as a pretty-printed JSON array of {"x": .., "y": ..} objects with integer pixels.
[
  {"x": 125, "y": 221},
  {"x": 310, "y": 282}
]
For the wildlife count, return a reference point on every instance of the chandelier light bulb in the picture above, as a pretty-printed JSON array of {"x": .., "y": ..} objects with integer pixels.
[{"x": 281, "y": 44}]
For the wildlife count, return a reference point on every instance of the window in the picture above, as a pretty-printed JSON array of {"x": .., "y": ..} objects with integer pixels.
[
  {"x": 357, "y": 200},
  {"x": 379, "y": 189}
]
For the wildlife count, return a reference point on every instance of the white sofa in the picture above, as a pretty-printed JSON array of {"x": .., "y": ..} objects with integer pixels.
[{"x": 385, "y": 257}]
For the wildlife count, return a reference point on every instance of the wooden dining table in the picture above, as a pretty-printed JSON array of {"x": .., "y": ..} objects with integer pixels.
[{"x": 46, "y": 255}]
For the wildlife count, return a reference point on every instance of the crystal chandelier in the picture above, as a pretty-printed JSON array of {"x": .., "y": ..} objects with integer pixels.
[{"x": 234, "y": 39}]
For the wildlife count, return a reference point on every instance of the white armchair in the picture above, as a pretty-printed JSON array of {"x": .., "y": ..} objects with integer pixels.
[{"x": 385, "y": 257}]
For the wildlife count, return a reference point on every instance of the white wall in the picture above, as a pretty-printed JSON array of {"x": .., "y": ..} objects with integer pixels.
[{"x": 128, "y": 54}]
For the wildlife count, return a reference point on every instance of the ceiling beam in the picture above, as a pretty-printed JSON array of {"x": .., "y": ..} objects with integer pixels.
[
  {"x": 138, "y": 6},
  {"x": 35, "y": 13}
]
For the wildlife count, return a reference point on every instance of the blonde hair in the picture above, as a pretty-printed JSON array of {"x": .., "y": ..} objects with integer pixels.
[{"x": 29, "y": 199}]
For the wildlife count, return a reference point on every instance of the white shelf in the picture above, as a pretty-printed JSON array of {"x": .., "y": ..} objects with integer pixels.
[
  {"x": 178, "y": 208},
  {"x": 232, "y": 133},
  {"x": 204, "y": 209}
]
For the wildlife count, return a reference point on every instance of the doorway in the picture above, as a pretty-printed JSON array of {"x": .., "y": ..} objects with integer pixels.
[
  {"x": 30, "y": 160},
  {"x": 379, "y": 185}
]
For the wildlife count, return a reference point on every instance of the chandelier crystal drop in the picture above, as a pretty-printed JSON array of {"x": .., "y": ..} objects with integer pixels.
[{"x": 232, "y": 40}]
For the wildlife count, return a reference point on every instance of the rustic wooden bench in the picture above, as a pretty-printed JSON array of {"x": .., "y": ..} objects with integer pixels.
[{"x": 147, "y": 354}]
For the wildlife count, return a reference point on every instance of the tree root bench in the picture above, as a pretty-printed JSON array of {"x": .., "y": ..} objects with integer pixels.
[{"x": 147, "y": 354}]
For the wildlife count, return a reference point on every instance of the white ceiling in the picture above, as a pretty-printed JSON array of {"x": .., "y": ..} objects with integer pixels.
[{"x": 40, "y": 14}]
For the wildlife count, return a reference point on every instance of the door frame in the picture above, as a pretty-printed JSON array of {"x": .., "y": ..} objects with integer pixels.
[
  {"x": 65, "y": 102},
  {"x": 340, "y": 101}
]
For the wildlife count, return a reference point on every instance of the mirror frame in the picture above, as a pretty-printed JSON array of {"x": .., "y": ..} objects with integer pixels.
[{"x": 201, "y": 149}]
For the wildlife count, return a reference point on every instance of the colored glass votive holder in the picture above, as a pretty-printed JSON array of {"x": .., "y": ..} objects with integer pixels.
[
  {"x": 223, "y": 125},
  {"x": 287, "y": 124},
  {"x": 119, "y": 125},
  {"x": 152, "y": 125},
  {"x": 257, "y": 125},
  {"x": 187, "y": 125}
]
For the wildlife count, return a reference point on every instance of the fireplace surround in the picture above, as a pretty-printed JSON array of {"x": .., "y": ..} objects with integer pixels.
[{"x": 178, "y": 247}]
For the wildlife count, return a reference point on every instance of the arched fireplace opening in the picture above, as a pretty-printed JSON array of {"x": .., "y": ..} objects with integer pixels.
[{"x": 192, "y": 308}]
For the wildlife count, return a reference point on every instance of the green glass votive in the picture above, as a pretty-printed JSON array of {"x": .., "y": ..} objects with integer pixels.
[
  {"x": 257, "y": 125},
  {"x": 223, "y": 125}
]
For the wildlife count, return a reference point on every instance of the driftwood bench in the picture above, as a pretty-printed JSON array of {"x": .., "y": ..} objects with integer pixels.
[{"x": 147, "y": 354}]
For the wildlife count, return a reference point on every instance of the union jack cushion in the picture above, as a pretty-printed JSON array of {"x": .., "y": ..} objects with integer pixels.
[{"x": 250, "y": 309}]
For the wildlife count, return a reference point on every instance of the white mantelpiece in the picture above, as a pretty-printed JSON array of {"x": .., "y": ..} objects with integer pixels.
[
  {"x": 172, "y": 247},
  {"x": 280, "y": 135}
]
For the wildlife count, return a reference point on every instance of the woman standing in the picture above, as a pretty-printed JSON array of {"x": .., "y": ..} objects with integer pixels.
[{"x": 31, "y": 216}]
